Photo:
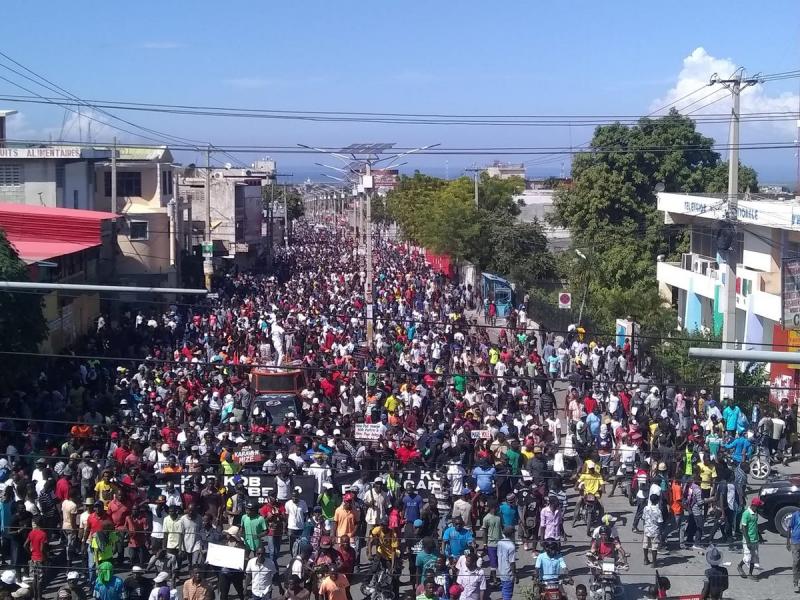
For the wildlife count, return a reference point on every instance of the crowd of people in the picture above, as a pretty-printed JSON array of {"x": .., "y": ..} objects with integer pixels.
[{"x": 128, "y": 478}]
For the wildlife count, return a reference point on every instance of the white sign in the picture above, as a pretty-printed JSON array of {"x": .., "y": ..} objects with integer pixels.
[
  {"x": 368, "y": 432},
  {"x": 225, "y": 556},
  {"x": 481, "y": 434},
  {"x": 565, "y": 300},
  {"x": 49, "y": 152},
  {"x": 790, "y": 293}
]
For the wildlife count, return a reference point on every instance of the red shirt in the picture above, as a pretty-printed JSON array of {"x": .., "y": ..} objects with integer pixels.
[
  {"x": 405, "y": 455},
  {"x": 62, "y": 489},
  {"x": 37, "y": 538},
  {"x": 95, "y": 523}
]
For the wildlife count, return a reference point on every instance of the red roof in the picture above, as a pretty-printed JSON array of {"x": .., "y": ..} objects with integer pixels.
[{"x": 40, "y": 232}]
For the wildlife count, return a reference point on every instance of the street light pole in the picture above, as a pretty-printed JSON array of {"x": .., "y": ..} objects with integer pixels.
[
  {"x": 367, "y": 182},
  {"x": 208, "y": 264}
]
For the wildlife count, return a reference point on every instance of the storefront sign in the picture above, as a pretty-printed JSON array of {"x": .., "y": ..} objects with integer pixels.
[
  {"x": 50, "y": 152},
  {"x": 790, "y": 293}
]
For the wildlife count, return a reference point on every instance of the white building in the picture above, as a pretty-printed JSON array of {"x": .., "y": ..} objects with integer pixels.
[
  {"x": 537, "y": 204},
  {"x": 768, "y": 231},
  {"x": 237, "y": 209}
]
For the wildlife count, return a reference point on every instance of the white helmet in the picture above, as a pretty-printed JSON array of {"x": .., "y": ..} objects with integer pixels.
[{"x": 654, "y": 390}]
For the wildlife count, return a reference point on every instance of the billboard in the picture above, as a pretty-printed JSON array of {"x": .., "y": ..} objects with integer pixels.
[{"x": 790, "y": 293}]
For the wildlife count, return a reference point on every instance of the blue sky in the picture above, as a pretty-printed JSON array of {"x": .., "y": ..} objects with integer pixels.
[{"x": 557, "y": 57}]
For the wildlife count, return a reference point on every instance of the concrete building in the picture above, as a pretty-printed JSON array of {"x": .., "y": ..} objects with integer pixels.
[
  {"x": 537, "y": 204},
  {"x": 505, "y": 170},
  {"x": 237, "y": 210},
  {"x": 768, "y": 231},
  {"x": 63, "y": 245},
  {"x": 149, "y": 234}
]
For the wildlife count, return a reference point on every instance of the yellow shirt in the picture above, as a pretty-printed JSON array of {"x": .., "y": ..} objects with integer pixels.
[
  {"x": 591, "y": 483},
  {"x": 105, "y": 492},
  {"x": 391, "y": 403},
  {"x": 494, "y": 356},
  {"x": 387, "y": 542},
  {"x": 707, "y": 475}
]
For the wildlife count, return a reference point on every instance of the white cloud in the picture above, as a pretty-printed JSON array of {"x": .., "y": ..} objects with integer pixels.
[
  {"x": 692, "y": 82},
  {"x": 163, "y": 45}
]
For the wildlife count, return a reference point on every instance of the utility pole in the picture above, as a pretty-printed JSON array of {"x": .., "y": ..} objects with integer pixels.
[
  {"x": 727, "y": 256},
  {"x": 367, "y": 182},
  {"x": 114, "y": 177},
  {"x": 208, "y": 264}
]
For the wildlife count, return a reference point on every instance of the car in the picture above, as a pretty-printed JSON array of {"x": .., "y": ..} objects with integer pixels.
[
  {"x": 277, "y": 406},
  {"x": 781, "y": 497}
]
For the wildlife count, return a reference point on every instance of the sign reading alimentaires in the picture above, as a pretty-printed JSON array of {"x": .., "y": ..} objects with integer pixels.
[{"x": 48, "y": 152}]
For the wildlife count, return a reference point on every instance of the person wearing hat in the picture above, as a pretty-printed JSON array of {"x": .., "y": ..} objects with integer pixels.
[
  {"x": 334, "y": 585},
  {"x": 137, "y": 586},
  {"x": 751, "y": 538},
  {"x": 72, "y": 589},
  {"x": 715, "y": 579},
  {"x": 108, "y": 586},
  {"x": 162, "y": 588}
]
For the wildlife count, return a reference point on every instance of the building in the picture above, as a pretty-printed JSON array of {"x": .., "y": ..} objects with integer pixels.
[
  {"x": 505, "y": 170},
  {"x": 63, "y": 245},
  {"x": 149, "y": 234},
  {"x": 537, "y": 205},
  {"x": 237, "y": 210},
  {"x": 768, "y": 231}
]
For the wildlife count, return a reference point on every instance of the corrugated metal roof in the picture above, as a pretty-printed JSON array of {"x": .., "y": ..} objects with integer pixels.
[{"x": 40, "y": 232}]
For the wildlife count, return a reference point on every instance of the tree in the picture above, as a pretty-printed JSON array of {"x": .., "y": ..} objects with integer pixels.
[
  {"x": 294, "y": 202},
  {"x": 22, "y": 324},
  {"x": 442, "y": 216},
  {"x": 611, "y": 209}
]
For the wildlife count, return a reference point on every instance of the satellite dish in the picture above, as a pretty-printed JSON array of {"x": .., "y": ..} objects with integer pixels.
[
  {"x": 660, "y": 186},
  {"x": 228, "y": 166}
]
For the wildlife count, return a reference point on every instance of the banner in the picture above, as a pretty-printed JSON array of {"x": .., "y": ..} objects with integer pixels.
[
  {"x": 257, "y": 486},
  {"x": 426, "y": 480},
  {"x": 368, "y": 432},
  {"x": 481, "y": 434},
  {"x": 247, "y": 455}
]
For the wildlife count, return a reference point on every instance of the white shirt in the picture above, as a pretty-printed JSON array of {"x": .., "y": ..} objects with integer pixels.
[
  {"x": 296, "y": 514},
  {"x": 262, "y": 576}
]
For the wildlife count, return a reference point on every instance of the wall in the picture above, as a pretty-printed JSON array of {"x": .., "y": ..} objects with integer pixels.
[
  {"x": 150, "y": 188},
  {"x": 145, "y": 257},
  {"x": 67, "y": 318},
  {"x": 40, "y": 177},
  {"x": 77, "y": 177},
  {"x": 253, "y": 213},
  {"x": 758, "y": 249}
]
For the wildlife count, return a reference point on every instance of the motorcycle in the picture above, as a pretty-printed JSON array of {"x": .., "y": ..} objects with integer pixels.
[
  {"x": 379, "y": 586},
  {"x": 549, "y": 590},
  {"x": 591, "y": 512},
  {"x": 605, "y": 583},
  {"x": 761, "y": 463}
]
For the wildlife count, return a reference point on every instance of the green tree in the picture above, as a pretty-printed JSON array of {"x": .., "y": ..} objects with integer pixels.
[
  {"x": 610, "y": 209},
  {"x": 294, "y": 202},
  {"x": 672, "y": 361},
  {"x": 22, "y": 324}
]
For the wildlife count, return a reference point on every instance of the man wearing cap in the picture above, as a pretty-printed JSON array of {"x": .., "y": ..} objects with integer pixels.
[
  {"x": 751, "y": 537},
  {"x": 254, "y": 529},
  {"x": 377, "y": 505},
  {"x": 296, "y": 515}
]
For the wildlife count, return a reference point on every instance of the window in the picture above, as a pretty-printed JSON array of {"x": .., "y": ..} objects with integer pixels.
[
  {"x": 12, "y": 183},
  {"x": 60, "y": 175},
  {"x": 75, "y": 199},
  {"x": 139, "y": 230},
  {"x": 129, "y": 183},
  {"x": 166, "y": 183},
  {"x": 10, "y": 175}
]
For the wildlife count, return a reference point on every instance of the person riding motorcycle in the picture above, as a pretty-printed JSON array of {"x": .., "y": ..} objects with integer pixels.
[
  {"x": 590, "y": 483},
  {"x": 606, "y": 542},
  {"x": 626, "y": 459},
  {"x": 551, "y": 567}
]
